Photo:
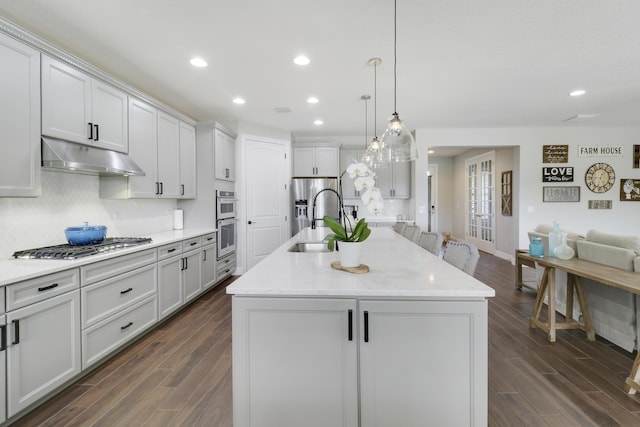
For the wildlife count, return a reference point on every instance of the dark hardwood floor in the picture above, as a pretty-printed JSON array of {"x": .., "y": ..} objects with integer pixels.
[{"x": 180, "y": 373}]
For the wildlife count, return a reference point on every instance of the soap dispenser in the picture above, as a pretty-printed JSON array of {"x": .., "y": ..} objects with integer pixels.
[{"x": 555, "y": 238}]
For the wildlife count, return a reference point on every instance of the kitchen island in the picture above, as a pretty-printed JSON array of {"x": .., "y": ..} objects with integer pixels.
[{"x": 402, "y": 345}]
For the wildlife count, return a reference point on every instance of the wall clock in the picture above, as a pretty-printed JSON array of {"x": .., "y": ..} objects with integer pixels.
[{"x": 600, "y": 177}]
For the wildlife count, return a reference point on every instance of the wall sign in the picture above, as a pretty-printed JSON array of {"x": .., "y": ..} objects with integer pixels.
[
  {"x": 636, "y": 156},
  {"x": 507, "y": 201},
  {"x": 557, "y": 174},
  {"x": 600, "y": 204},
  {"x": 555, "y": 153},
  {"x": 600, "y": 150},
  {"x": 560, "y": 194},
  {"x": 630, "y": 190}
]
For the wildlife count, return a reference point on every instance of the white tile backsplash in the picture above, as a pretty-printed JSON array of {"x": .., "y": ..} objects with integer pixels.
[{"x": 70, "y": 199}]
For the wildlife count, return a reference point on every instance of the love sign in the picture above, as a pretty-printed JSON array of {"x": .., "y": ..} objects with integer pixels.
[{"x": 557, "y": 174}]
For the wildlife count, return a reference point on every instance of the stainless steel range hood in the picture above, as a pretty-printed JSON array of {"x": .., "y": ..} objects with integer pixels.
[{"x": 58, "y": 154}]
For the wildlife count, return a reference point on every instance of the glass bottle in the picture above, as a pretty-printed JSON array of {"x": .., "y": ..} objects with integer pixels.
[{"x": 536, "y": 247}]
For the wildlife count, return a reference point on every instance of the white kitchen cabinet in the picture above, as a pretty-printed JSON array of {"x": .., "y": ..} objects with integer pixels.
[
  {"x": 3, "y": 371},
  {"x": 187, "y": 161},
  {"x": 170, "y": 295},
  {"x": 209, "y": 266},
  {"x": 322, "y": 160},
  {"x": 294, "y": 362},
  {"x": 192, "y": 274},
  {"x": 323, "y": 361},
  {"x": 394, "y": 181},
  {"x": 19, "y": 119},
  {"x": 224, "y": 156},
  {"x": 43, "y": 339},
  {"x": 77, "y": 107},
  {"x": 348, "y": 156},
  {"x": 168, "y": 171}
]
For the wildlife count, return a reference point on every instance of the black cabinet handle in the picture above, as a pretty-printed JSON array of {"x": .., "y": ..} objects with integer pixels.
[
  {"x": 161, "y": 188},
  {"x": 126, "y": 326},
  {"x": 157, "y": 188},
  {"x": 204, "y": 255},
  {"x": 90, "y": 130},
  {"x": 366, "y": 326},
  {"x": 171, "y": 250},
  {"x": 350, "y": 325},
  {"x": 209, "y": 238},
  {"x": 182, "y": 189},
  {"x": 126, "y": 291},
  {"x": 97, "y": 130},
  {"x": 16, "y": 331},
  {"x": 193, "y": 243},
  {"x": 186, "y": 263},
  {"x": 46, "y": 288},
  {"x": 3, "y": 337}
]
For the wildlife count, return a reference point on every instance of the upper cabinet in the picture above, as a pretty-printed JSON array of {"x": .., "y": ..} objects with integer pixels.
[
  {"x": 316, "y": 160},
  {"x": 394, "y": 181},
  {"x": 187, "y": 161},
  {"x": 224, "y": 156},
  {"x": 348, "y": 156},
  {"x": 19, "y": 119},
  {"x": 77, "y": 107}
]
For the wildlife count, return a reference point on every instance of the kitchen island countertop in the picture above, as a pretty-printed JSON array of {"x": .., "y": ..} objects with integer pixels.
[
  {"x": 15, "y": 270},
  {"x": 398, "y": 268}
]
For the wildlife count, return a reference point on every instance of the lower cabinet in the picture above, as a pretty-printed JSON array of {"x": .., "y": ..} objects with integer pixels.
[
  {"x": 209, "y": 266},
  {"x": 43, "y": 348},
  {"x": 346, "y": 362},
  {"x": 3, "y": 364},
  {"x": 192, "y": 274},
  {"x": 170, "y": 296}
]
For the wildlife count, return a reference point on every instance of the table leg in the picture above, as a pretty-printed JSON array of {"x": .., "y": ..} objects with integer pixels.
[
  {"x": 551, "y": 304},
  {"x": 584, "y": 307},
  {"x": 631, "y": 384},
  {"x": 570, "y": 285},
  {"x": 537, "y": 309}
]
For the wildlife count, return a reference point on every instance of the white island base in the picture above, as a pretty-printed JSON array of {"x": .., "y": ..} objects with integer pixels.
[{"x": 403, "y": 345}]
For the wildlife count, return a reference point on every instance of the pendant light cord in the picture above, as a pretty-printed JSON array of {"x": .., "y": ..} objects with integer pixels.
[
  {"x": 375, "y": 100},
  {"x": 395, "y": 54}
]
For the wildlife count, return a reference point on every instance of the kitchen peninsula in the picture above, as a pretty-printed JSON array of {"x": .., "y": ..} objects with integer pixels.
[{"x": 404, "y": 344}]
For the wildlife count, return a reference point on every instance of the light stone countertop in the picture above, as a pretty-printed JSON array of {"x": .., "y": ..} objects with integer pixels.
[
  {"x": 398, "y": 268},
  {"x": 15, "y": 270}
]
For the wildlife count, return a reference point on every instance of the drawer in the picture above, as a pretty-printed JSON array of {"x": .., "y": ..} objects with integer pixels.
[
  {"x": 30, "y": 291},
  {"x": 105, "y": 337},
  {"x": 208, "y": 239},
  {"x": 103, "y": 299},
  {"x": 101, "y": 270},
  {"x": 189, "y": 244},
  {"x": 226, "y": 267},
  {"x": 2, "y": 306},
  {"x": 167, "y": 251}
]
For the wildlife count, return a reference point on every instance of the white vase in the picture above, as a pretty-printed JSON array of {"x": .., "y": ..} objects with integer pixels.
[
  {"x": 349, "y": 253},
  {"x": 564, "y": 251}
]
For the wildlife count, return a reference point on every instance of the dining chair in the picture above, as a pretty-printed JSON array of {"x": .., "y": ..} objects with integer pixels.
[
  {"x": 399, "y": 227},
  {"x": 431, "y": 241},
  {"x": 412, "y": 232},
  {"x": 462, "y": 255}
]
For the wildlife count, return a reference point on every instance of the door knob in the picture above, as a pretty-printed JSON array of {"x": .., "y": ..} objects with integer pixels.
[{"x": 249, "y": 222}]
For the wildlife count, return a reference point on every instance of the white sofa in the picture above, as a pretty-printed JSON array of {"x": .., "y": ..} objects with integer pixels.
[{"x": 615, "y": 314}]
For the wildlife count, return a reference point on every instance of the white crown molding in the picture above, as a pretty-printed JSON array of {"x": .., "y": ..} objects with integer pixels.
[{"x": 47, "y": 48}]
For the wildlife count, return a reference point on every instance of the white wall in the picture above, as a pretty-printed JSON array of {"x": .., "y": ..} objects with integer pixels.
[
  {"x": 70, "y": 199},
  {"x": 529, "y": 210}
]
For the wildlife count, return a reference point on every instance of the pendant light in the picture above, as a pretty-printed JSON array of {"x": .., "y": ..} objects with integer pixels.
[
  {"x": 399, "y": 145},
  {"x": 373, "y": 156},
  {"x": 366, "y": 99}
]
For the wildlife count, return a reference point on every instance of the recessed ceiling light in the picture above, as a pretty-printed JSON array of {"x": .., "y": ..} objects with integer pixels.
[
  {"x": 318, "y": 122},
  {"x": 313, "y": 100},
  {"x": 198, "y": 62},
  {"x": 577, "y": 92},
  {"x": 238, "y": 101},
  {"x": 301, "y": 60},
  {"x": 430, "y": 152}
]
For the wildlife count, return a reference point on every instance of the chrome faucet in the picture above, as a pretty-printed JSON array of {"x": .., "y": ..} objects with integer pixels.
[{"x": 313, "y": 214}]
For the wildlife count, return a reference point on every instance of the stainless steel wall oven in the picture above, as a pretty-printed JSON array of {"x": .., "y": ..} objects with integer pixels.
[{"x": 226, "y": 222}]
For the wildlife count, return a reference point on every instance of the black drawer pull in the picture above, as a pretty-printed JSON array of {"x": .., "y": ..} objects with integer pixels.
[
  {"x": 126, "y": 326},
  {"x": 171, "y": 250},
  {"x": 16, "y": 331},
  {"x": 209, "y": 238},
  {"x": 366, "y": 326},
  {"x": 193, "y": 243},
  {"x": 3, "y": 337},
  {"x": 126, "y": 291},
  {"x": 97, "y": 137},
  {"x": 46, "y": 288},
  {"x": 350, "y": 325},
  {"x": 90, "y": 130}
]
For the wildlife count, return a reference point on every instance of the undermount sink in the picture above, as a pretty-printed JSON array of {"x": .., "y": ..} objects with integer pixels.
[{"x": 310, "y": 247}]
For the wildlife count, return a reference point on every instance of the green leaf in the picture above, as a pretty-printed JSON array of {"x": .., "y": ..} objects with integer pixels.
[
  {"x": 335, "y": 227},
  {"x": 361, "y": 225}
]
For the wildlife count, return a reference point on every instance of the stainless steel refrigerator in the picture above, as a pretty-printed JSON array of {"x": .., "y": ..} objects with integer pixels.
[{"x": 304, "y": 191}]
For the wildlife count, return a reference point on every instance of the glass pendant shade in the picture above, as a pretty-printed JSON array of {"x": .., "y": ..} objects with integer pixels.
[
  {"x": 373, "y": 156},
  {"x": 398, "y": 142}
]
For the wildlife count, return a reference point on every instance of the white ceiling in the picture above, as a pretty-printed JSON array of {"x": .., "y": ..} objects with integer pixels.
[{"x": 460, "y": 63}]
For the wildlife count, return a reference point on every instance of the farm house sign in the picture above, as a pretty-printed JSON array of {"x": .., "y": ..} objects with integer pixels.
[{"x": 600, "y": 150}]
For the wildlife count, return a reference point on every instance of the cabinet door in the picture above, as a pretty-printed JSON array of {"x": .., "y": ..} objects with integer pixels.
[
  {"x": 19, "y": 119},
  {"x": 294, "y": 363},
  {"x": 168, "y": 155},
  {"x": 143, "y": 145},
  {"x": 66, "y": 102},
  {"x": 401, "y": 180},
  {"x": 384, "y": 181},
  {"x": 304, "y": 162},
  {"x": 170, "y": 295},
  {"x": 423, "y": 360},
  {"x": 224, "y": 156},
  {"x": 3, "y": 373},
  {"x": 327, "y": 161},
  {"x": 109, "y": 117},
  {"x": 209, "y": 268},
  {"x": 192, "y": 274},
  {"x": 348, "y": 156},
  {"x": 187, "y": 161},
  {"x": 44, "y": 349}
]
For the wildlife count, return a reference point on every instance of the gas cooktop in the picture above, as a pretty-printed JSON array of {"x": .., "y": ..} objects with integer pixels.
[{"x": 67, "y": 251}]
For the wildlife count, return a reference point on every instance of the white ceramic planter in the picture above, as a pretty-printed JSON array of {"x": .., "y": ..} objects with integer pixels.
[{"x": 349, "y": 253}]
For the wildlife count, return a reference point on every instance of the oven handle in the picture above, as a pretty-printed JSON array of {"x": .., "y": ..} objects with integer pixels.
[{"x": 227, "y": 221}]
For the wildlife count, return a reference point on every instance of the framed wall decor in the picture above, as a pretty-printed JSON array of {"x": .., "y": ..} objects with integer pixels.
[
  {"x": 561, "y": 194},
  {"x": 555, "y": 153},
  {"x": 636, "y": 156},
  {"x": 507, "y": 200},
  {"x": 557, "y": 174},
  {"x": 630, "y": 190},
  {"x": 600, "y": 204}
]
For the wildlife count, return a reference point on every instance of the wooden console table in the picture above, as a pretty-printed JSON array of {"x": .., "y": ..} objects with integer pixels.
[{"x": 576, "y": 268}]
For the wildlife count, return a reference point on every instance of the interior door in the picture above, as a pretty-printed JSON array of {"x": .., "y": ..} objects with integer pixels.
[
  {"x": 480, "y": 201},
  {"x": 267, "y": 198}
]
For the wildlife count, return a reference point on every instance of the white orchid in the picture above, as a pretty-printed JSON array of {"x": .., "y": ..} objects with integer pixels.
[
  {"x": 364, "y": 182},
  {"x": 357, "y": 169},
  {"x": 375, "y": 207},
  {"x": 371, "y": 195}
]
